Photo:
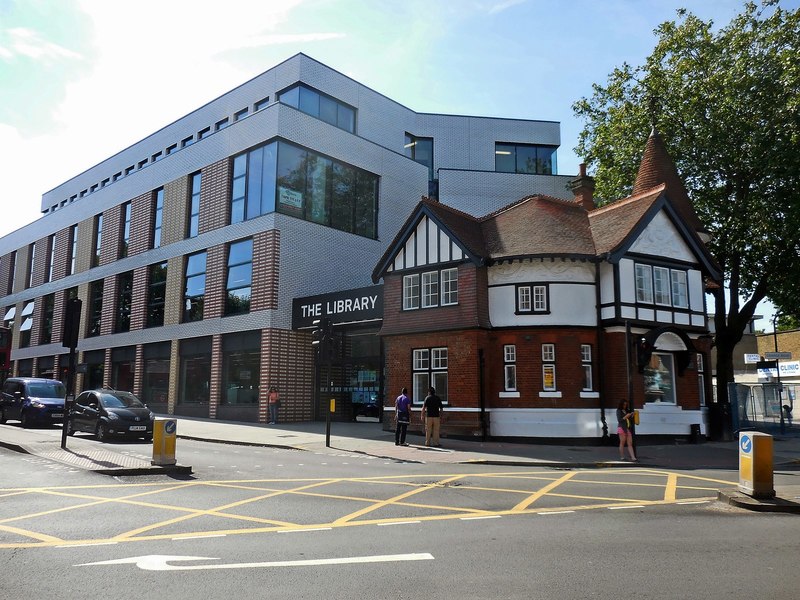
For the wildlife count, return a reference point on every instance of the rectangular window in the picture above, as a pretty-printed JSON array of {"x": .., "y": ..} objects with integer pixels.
[
  {"x": 124, "y": 300},
  {"x": 221, "y": 124},
  {"x": 659, "y": 379},
  {"x": 644, "y": 284},
  {"x": 429, "y": 370},
  {"x": 449, "y": 286},
  {"x": 540, "y": 298},
  {"x": 525, "y": 158},
  {"x": 701, "y": 378},
  {"x": 156, "y": 294},
  {"x": 72, "y": 249},
  {"x": 420, "y": 149},
  {"x": 586, "y": 364},
  {"x": 430, "y": 289},
  {"x": 31, "y": 263},
  {"x": 125, "y": 230},
  {"x": 195, "y": 291},
  {"x": 261, "y": 104},
  {"x": 548, "y": 368},
  {"x": 187, "y": 141},
  {"x": 239, "y": 115},
  {"x": 239, "y": 277},
  {"x": 510, "y": 367},
  {"x": 410, "y": 292},
  {"x": 203, "y": 133},
  {"x": 48, "y": 309},
  {"x": 95, "y": 312},
  {"x": 661, "y": 290},
  {"x": 193, "y": 223},
  {"x": 158, "y": 209},
  {"x": 98, "y": 239},
  {"x": 51, "y": 257},
  {"x": 27, "y": 324},
  {"x": 320, "y": 106},
  {"x": 524, "y": 298},
  {"x": 12, "y": 272},
  {"x": 680, "y": 290}
]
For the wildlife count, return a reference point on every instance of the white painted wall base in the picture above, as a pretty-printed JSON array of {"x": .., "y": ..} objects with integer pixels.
[{"x": 664, "y": 419}]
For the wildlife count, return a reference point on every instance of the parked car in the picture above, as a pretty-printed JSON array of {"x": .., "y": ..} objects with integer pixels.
[
  {"x": 32, "y": 401},
  {"x": 108, "y": 412}
]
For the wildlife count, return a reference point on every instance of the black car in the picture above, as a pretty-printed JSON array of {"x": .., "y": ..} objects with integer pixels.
[
  {"x": 107, "y": 413},
  {"x": 32, "y": 401}
]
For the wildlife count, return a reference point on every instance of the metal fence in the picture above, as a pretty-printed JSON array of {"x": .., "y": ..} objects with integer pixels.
[{"x": 767, "y": 407}]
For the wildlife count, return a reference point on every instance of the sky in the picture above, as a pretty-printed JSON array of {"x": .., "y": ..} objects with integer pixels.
[{"x": 81, "y": 80}]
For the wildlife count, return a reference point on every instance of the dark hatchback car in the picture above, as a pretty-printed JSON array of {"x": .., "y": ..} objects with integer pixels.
[
  {"x": 32, "y": 401},
  {"x": 107, "y": 413}
]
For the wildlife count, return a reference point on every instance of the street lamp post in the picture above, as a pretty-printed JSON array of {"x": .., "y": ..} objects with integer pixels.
[{"x": 778, "y": 369}]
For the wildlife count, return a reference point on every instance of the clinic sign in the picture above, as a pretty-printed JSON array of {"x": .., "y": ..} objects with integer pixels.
[
  {"x": 350, "y": 306},
  {"x": 787, "y": 370}
]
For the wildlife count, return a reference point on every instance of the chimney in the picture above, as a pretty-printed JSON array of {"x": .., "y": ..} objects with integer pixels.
[{"x": 583, "y": 188}]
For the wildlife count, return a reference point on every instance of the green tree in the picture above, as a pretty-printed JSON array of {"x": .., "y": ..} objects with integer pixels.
[{"x": 727, "y": 104}]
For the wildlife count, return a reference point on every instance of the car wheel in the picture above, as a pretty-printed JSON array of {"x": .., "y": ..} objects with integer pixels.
[
  {"x": 101, "y": 433},
  {"x": 3, "y": 417},
  {"x": 70, "y": 428},
  {"x": 24, "y": 420}
]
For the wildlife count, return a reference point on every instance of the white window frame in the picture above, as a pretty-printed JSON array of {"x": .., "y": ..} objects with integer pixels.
[
  {"x": 524, "y": 302},
  {"x": 586, "y": 364},
  {"x": 540, "y": 298},
  {"x": 449, "y": 286},
  {"x": 701, "y": 378},
  {"x": 644, "y": 283},
  {"x": 548, "y": 353},
  {"x": 510, "y": 367},
  {"x": 430, "y": 289},
  {"x": 661, "y": 288},
  {"x": 429, "y": 368},
  {"x": 548, "y": 366},
  {"x": 680, "y": 289},
  {"x": 411, "y": 292}
]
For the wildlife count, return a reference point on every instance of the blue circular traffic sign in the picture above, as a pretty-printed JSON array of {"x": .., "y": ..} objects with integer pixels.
[
  {"x": 170, "y": 427},
  {"x": 746, "y": 444}
]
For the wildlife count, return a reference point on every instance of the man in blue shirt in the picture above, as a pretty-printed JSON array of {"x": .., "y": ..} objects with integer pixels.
[{"x": 402, "y": 417}]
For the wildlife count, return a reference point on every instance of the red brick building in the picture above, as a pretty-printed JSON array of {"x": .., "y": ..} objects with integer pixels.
[{"x": 535, "y": 321}]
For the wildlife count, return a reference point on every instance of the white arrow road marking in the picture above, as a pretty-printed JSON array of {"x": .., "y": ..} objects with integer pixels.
[{"x": 158, "y": 562}]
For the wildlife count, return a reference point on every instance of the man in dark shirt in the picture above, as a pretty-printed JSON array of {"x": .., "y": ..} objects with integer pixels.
[
  {"x": 431, "y": 411},
  {"x": 402, "y": 417}
]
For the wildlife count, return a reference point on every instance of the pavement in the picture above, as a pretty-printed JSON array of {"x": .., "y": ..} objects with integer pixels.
[{"x": 369, "y": 438}]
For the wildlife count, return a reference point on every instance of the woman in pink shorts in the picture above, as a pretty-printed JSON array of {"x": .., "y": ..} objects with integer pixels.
[{"x": 624, "y": 422}]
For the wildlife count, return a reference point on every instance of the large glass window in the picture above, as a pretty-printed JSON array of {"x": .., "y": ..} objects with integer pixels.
[
  {"x": 124, "y": 300},
  {"x": 51, "y": 257},
  {"x": 31, "y": 262},
  {"x": 525, "y": 158},
  {"x": 240, "y": 277},
  {"x": 420, "y": 149},
  {"x": 195, "y": 378},
  {"x": 659, "y": 379},
  {"x": 321, "y": 106},
  {"x": 241, "y": 365},
  {"x": 195, "y": 291},
  {"x": 12, "y": 272},
  {"x": 297, "y": 182},
  {"x": 429, "y": 367},
  {"x": 95, "y": 311},
  {"x": 155, "y": 379},
  {"x": 123, "y": 367},
  {"x": 193, "y": 224},
  {"x": 27, "y": 324},
  {"x": 156, "y": 294}
]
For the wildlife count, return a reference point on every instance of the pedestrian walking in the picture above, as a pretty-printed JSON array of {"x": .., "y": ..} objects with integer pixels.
[
  {"x": 431, "y": 412},
  {"x": 273, "y": 402},
  {"x": 624, "y": 424},
  {"x": 402, "y": 417}
]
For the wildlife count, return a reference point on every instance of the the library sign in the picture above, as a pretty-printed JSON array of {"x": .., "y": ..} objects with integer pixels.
[{"x": 349, "y": 306}]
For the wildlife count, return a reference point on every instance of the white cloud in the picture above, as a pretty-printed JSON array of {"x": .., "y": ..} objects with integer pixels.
[{"x": 29, "y": 43}]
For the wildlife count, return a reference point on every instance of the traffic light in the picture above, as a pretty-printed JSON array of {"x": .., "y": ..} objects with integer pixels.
[
  {"x": 318, "y": 334},
  {"x": 322, "y": 337},
  {"x": 644, "y": 350},
  {"x": 72, "y": 323}
]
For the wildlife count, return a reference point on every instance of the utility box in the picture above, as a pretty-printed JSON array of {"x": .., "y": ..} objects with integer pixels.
[
  {"x": 164, "y": 434},
  {"x": 755, "y": 464}
]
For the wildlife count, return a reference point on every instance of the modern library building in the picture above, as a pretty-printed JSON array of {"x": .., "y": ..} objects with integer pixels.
[{"x": 203, "y": 254}]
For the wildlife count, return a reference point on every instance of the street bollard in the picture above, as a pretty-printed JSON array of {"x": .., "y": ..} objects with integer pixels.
[
  {"x": 755, "y": 464},
  {"x": 164, "y": 431}
]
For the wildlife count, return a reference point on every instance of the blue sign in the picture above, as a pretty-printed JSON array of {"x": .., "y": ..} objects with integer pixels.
[
  {"x": 746, "y": 444},
  {"x": 170, "y": 426}
]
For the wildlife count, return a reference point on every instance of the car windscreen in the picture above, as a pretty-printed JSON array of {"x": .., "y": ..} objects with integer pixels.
[
  {"x": 121, "y": 401},
  {"x": 47, "y": 390}
]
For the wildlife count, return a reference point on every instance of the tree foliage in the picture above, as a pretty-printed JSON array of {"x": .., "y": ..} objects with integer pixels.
[{"x": 727, "y": 104}]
